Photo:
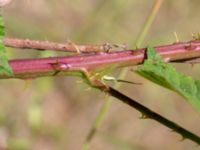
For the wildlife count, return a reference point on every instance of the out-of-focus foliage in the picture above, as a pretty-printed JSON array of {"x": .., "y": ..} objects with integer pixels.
[{"x": 4, "y": 66}]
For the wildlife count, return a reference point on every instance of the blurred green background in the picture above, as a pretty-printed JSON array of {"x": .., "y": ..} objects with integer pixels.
[{"x": 57, "y": 113}]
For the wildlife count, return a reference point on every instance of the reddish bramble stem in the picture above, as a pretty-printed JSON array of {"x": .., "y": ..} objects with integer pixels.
[{"x": 32, "y": 68}]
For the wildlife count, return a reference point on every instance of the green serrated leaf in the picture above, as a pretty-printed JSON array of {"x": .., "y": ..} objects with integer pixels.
[
  {"x": 161, "y": 73},
  {"x": 4, "y": 65}
]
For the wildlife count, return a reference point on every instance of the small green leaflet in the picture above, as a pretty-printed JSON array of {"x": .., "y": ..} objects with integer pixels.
[
  {"x": 4, "y": 66},
  {"x": 161, "y": 73}
]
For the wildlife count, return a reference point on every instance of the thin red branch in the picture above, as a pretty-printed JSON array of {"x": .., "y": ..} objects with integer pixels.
[
  {"x": 66, "y": 47},
  {"x": 31, "y": 68}
]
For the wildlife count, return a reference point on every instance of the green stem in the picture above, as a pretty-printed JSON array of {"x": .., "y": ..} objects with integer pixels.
[
  {"x": 104, "y": 109},
  {"x": 148, "y": 23}
]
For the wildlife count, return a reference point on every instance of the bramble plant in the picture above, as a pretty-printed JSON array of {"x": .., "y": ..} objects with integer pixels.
[{"x": 94, "y": 63}]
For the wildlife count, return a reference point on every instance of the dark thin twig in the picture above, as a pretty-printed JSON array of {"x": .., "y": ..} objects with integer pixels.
[
  {"x": 192, "y": 61},
  {"x": 149, "y": 114}
]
